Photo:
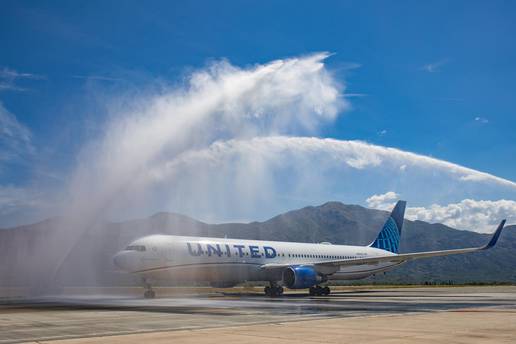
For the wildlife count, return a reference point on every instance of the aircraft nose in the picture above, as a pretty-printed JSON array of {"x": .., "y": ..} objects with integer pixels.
[{"x": 120, "y": 260}]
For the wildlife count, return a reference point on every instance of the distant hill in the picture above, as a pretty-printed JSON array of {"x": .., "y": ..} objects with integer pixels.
[{"x": 333, "y": 221}]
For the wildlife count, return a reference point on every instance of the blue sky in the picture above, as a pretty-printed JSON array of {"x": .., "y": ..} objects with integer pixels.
[{"x": 432, "y": 78}]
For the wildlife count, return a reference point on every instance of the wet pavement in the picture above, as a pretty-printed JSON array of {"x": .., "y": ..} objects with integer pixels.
[{"x": 77, "y": 316}]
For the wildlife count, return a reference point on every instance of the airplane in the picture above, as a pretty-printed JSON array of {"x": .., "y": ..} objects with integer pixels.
[{"x": 227, "y": 262}]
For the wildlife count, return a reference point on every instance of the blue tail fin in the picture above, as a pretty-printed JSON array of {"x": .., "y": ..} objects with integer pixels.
[{"x": 389, "y": 237}]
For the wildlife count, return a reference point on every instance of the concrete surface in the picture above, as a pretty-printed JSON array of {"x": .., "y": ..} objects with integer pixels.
[{"x": 458, "y": 315}]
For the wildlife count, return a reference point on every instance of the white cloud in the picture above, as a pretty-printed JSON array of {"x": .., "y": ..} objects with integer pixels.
[
  {"x": 14, "y": 198},
  {"x": 9, "y": 77},
  {"x": 15, "y": 138},
  {"x": 382, "y": 201},
  {"x": 355, "y": 95},
  {"x": 15, "y": 147},
  {"x": 435, "y": 66},
  {"x": 96, "y": 77},
  {"x": 350, "y": 65},
  {"x": 468, "y": 214},
  {"x": 481, "y": 120}
]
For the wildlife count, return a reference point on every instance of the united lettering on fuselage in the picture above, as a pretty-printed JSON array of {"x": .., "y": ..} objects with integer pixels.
[{"x": 254, "y": 251}]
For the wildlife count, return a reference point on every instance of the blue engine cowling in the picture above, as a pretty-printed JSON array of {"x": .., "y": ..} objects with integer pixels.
[{"x": 301, "y": 277}]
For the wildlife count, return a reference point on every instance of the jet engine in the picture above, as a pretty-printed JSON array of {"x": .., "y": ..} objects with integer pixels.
[{"x": 301, "y": 277}]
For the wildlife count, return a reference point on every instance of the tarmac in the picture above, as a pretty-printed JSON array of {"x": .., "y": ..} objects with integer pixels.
[{"x": 358, "y": 315}]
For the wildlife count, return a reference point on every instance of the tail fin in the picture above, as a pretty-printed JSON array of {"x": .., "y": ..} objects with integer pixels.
[{"x": 389, "y": 237}]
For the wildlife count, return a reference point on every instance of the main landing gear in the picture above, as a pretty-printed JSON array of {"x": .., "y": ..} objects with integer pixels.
[
  {"x": 148, "y": 293},
  {"x": 318, "y": 290},
  {"x": 273, "y": 290}
]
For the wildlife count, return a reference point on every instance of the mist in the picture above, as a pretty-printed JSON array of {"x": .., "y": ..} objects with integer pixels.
[{"x": 218, "y": 102}]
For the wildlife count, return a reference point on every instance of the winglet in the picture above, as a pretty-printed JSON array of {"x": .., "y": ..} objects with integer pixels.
[{"x": 495, "y": 236}]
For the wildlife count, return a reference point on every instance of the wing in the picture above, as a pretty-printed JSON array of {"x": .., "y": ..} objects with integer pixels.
[{"x": 400, "y": 258}]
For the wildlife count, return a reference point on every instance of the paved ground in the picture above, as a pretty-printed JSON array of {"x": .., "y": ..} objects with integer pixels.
[{"x": 461, "y": 315}]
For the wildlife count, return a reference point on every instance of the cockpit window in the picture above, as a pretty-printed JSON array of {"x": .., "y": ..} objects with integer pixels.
[{"x": 140, "y": 248}]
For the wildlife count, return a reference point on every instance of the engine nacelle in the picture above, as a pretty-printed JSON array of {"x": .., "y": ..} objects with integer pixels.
[{"x": 301, "y": 277}]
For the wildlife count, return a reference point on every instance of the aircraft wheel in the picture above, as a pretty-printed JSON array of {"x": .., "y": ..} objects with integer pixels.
[
  {"x": 280, "y": 290},
  {"x": 319, "y": 290},
  {"x": 267, "y": 291},
  {"x": 274, "y": 290},
  {"x": 149, "y": 294}
]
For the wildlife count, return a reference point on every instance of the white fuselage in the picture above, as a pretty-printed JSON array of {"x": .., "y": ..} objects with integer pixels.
[{"x": 231, "y": 261}]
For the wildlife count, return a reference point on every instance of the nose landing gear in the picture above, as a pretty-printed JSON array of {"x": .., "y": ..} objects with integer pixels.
[
  {"x": 273, "y": 290},
  {"x": 148, "y": 293},
  {"x": 318, "y": 290}
]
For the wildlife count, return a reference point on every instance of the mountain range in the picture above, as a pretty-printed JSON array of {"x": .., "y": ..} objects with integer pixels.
[{"x": 89, "y": 263}]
